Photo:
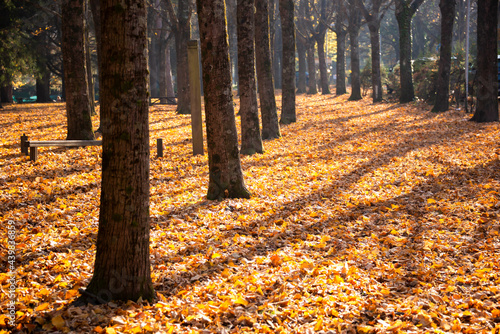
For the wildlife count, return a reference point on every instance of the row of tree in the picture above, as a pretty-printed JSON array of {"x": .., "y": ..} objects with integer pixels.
[{"x": 122, "y": 268}]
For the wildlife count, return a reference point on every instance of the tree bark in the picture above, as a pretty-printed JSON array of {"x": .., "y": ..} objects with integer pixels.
[
  {"x": 487, "y": 93},
  {"x": 404, "y": 13},
  {"x": 6, "y": 91},
  {"x": 374, "y": 28},
  {"x": 447, "y": 8},
  {"x": 251, "y": 141},
  {"x": 311, "y": 68},
  {"x": 182, "y": 36},
  {"x": 225, "y": 174},
  {"x": 270, "y": 125},
  {"x": 78, "y": 109},
  {"x": 340, "y": 87},
  {"x": 302, "y": 81},
  {"x": 43, "y": 88},
  {"x": 122, "y": 269},
  {"x": 288, "y": 114},
  {"x": 353, "y": 29},
  {"x": 320, "y": 39}
]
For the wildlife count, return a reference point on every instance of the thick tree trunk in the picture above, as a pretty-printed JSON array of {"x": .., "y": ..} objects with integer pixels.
[
  {"x": 251, "y": 141},
  {"x": 122, "y": 269},
  {"x": 487, "y": 93},
  {"x": 340, "y": 87},
  {"x": 270, "y": 125},
  {"x": 225, "y": 174},
  {"x": 354, "y": 27},
  {"x": 182, "y": 36},
  {"x": 302, "y": 82},
  {"x": 78, "y": 109},
  {"x": 288, "y": 114},
  {"x": 447, "y": 8},
  {"x": 311, "y": 69}
]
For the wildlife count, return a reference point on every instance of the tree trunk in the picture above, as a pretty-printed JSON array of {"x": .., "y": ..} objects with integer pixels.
[
  {"x": 270, "y": 125},
  {"x": 323, "y": 72},
  {"x": 6, "y": 93},
  {"x": 302, "y": 81},
  {"x": 43, "y": 88},
  {"x": 374, "y": 27},
  {"x": 311, "y": 68},
  {"x": 78, "y": 109},
  {"x": 231, "y": 14},
  {"x": 288, "y": 114},
  {"x": 320, "y": 39},
  {"x": 225, "y": 174},
  {"x": 340, "y": 87},
  {"x": 487, "y": 93},
  {"x": 182, "y": 36},
  {"x": 166, "y": 84},
  {"x": 251, "y": 141},
  {"x": 122, "y": 269},
  {"x": 447, "y": 8},
  {"x": 404, "y": 14},
  {"x": 354, "y": 27}
]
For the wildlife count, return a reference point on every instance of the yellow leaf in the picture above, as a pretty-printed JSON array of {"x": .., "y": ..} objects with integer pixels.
[
  {"x": 135, "y": 330},
  {"x": 362, "y": 329},
  {"x": 431, "y": 201},
  {"x": 59, "y": 322},
  {"x": 110, "y": 330},
  {"x": 98, "y": 329},
  {"x": 215, "y": 255},
  {"x": 57, "y": 279},
  {"x": 42, "y": 307},
  {"x": 240, "y": 300},
  {"x": 319, "y": 324}
]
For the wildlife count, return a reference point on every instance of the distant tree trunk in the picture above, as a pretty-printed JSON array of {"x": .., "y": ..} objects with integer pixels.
[
  {"x": 301, "y": 52},
  {"x": 277, "y": 59},
  {"x": 225, "y": 174},
  {"x": 231, "y": 13},
  {"x": 404, "y": 13},
  {"x": 122, "y": 269},
  {"x": 341, "y": 32},
  {"x": 43, "y": 88},
  {"x": 447, "y": 8},
  {"x": 182, "y": 36},
  {"x": 166, "y": 83},
  {"x": 487, "y": 93},
  {"x": 375, "y": 52},
  {"x": 320, "y": 39},
  {"x": 354, "y": 27},
  {"x": 311, "y": 68},
  {"x": 288, "y": 114},
  {"x": 78, "y": 109},
  {"x": 88, "y": 60},
  {"x": 6, "y": 91},
  {"x": 270, "y": 125},
  {"x": 251, "y": 141}
]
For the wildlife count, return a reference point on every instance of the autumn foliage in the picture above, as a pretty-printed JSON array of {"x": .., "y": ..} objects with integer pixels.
[{"x": 364, "y": 218}]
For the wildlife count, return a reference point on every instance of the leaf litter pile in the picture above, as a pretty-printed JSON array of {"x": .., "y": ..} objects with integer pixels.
[{"x": 364, "y": 219}]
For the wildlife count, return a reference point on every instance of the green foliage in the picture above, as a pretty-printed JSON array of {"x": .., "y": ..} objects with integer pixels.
[{"x": 425, "y": 72}]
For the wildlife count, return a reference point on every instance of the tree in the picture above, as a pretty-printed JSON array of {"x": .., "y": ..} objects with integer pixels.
[
  {"x": 320, "y": 36},
  {"x": 487, "y": 93},
  {"x": 78, "y": 109},
  {"x": 447, "y": 8},
  {"x": 270, "y": 125},
  {"x": 341, "y": 32},
  {"x": 225, "y": 174},
  {"x": 182, "y": 30},
  {"x": 373, "y": 16},
  {"x": 405, "y": 9},
  {"x": 251, "y": 141},
  {"x": 288, "y": 114},
  {"x": 354, "y": 18},
  {"x": 122, "y": 269}
]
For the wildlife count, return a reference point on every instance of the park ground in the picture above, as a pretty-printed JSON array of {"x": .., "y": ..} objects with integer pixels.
[{"x": 365, "y": 218}]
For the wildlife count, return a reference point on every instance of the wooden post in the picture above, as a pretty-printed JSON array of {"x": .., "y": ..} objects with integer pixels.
[
  {"x": 159, "y": 148},
  {"x": 33, "y": 153},
  {"x": 24, "y": 148},
  {"x": 195, "y": 87}
]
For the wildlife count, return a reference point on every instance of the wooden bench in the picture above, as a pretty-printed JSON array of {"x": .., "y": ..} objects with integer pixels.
[
  {"x": 34, "y": 145},
  {"x": 158, "y": 100}
]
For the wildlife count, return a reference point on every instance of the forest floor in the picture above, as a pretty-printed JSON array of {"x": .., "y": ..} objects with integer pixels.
[{"x": 365, "y": 218}]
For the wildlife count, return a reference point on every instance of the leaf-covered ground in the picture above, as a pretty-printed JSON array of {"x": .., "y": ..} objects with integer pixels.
[{"x": 364, "y": 219}]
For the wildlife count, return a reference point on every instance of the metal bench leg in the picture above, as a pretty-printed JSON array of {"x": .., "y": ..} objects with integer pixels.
[{"x": 33, "y": 153}]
